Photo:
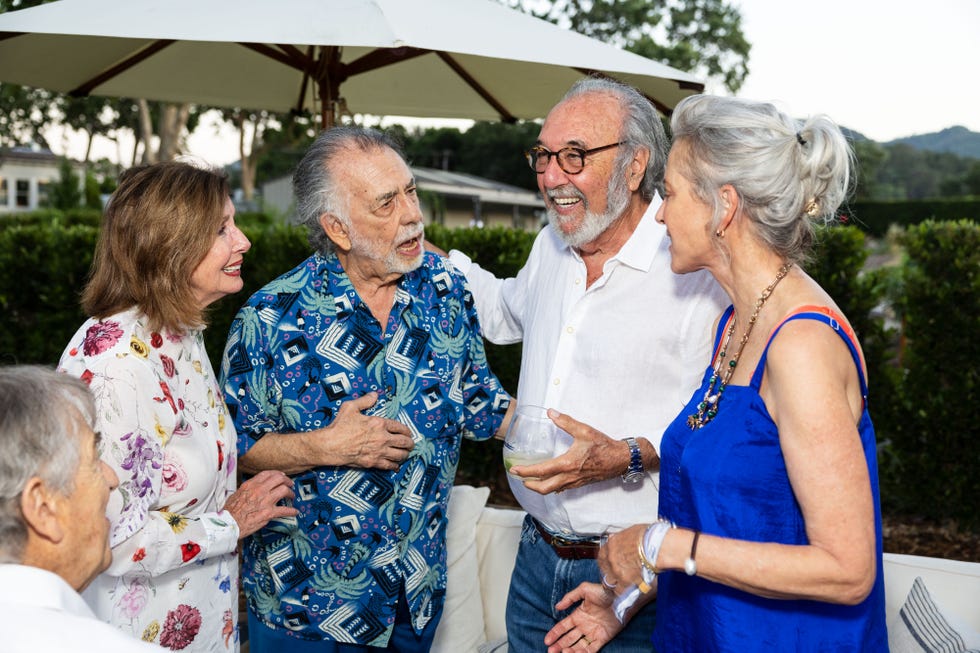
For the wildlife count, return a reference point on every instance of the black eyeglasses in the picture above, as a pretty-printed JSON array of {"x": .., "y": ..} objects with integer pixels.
[{"x": 570, "y": 159}]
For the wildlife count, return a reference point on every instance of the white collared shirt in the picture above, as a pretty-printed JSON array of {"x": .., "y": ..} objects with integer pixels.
[
  {"x": 39, "y": 611},
  {"x": 623, "y": 356}
]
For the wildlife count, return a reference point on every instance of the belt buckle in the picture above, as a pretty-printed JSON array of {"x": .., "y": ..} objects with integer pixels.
[{"x": 561, "y": 541}]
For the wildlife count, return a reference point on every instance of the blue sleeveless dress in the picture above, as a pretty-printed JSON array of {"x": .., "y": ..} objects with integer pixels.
[{"x": 729, "y": 479}]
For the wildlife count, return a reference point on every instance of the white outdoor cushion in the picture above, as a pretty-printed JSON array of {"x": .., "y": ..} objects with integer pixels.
[
  {"x": 923, "y": 626},
  {"x": 498, "y": 535},
  {"x": 461, "y": 627}
]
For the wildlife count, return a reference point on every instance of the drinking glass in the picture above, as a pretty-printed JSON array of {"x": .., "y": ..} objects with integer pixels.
[{"x": 531, "y": 437}]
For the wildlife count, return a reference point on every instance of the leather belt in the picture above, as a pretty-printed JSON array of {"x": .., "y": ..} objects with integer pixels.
[{"x": 568, "y": 549}]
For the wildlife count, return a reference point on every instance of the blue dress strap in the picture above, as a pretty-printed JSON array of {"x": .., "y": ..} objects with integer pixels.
[
  {"x": 726, "y": 317},
  {"x": 834, "y": 321}
]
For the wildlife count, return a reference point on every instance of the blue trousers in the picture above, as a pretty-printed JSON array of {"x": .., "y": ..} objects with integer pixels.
[
  {"x": 540, "y": 580},
  {"x": 263, "y": 639}
]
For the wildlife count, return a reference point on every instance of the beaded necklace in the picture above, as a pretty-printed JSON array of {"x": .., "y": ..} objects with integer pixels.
[{"x": 708, "y": 407}]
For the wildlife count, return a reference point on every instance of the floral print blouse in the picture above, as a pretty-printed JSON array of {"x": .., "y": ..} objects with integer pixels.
[{"x": 166, "y": 433}]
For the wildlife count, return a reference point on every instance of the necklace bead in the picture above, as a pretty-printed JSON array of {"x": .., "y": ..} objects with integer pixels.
[{"x": 709, "y": 404}]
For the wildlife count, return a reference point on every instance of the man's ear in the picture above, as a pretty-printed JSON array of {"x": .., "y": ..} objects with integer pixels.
[
  {"x": 40, "y": 507},
  {"x": 638, "y": 167},
  {"x": 336, "y": 231}
]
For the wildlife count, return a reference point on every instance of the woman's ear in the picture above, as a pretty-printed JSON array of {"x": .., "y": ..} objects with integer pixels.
[
  {"x": 730, "y": 204},
  {"x": 336, "y": 231}
]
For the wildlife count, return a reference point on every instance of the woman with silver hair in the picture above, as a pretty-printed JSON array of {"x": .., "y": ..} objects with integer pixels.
[{"x": 770, "y": 531}]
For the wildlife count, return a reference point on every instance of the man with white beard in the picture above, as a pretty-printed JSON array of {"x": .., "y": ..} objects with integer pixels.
[
  {"x": 611, "y": 337},
  {"x": 357, "y": 373}
]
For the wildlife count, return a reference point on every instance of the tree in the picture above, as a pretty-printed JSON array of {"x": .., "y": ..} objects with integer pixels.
[
  {"x": 284, "y": 147},
  {"x": 66, "y": 194},
  {"x": 94, "y": 116},
  {"x": 702, "y": 37},
  {"x": 92, "y": 192},
  {"x": 259, "y": 134},
  {"x": 870, "y": 156},
  {"x": 24, "y": 114},
  {"x": 972, "y": 179}
]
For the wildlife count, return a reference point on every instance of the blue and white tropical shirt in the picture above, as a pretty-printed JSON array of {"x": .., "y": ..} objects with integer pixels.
[{"x": 297, "y": 350}]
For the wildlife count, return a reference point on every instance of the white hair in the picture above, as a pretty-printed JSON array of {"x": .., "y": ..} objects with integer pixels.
[
  {"x": 787, "y": 173},
  {"x": 39, "y": 427}
]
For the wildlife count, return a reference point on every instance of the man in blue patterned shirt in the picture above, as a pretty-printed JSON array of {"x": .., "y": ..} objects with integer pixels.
[{"x": 358, "y": 372}]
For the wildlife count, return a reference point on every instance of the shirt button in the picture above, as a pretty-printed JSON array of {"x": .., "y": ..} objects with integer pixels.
[
  {"x": 578, "y": 281},
  {"x": 556, "y": 381},
  {"x": 569, "y": 329}
]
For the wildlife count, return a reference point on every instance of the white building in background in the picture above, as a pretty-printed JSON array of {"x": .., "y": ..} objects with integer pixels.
[
  {"x": 26, "y": 177},
  {"x": 453, "y": 199}
]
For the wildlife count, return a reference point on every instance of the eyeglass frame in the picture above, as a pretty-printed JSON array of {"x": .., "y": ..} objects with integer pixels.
[{"x": 533, "y": 154}]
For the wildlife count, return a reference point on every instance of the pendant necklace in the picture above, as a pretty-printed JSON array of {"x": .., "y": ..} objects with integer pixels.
[{"x": 708, "y": 407}]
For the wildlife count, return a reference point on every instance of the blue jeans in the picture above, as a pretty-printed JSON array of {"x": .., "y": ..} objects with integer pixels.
[
  {"x": 540, "y": 580},
  {"x": 404, "y": 639}
]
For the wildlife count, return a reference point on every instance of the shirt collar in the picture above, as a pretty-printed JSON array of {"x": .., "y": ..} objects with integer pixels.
[
  {"x": 641, "y": 248},
  {"x": 346, "y": 299},
  {"x": 643, "y": 245}
]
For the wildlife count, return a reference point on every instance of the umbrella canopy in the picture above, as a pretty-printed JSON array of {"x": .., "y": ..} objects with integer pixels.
[{"x": 471, "y": 59}]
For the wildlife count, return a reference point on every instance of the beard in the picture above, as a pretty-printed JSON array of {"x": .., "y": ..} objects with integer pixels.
[
  {"x": 393, "y": 261},
  {"x": 593, "y": 224}
]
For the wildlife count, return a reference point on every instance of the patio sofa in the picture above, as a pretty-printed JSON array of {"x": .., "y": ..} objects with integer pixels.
[{"x": 941, "y": 611}]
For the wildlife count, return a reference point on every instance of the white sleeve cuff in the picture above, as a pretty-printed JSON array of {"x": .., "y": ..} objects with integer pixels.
[{"x": 460, "y": 261}]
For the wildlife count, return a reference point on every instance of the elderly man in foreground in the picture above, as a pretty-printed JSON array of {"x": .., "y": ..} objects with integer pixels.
[
  {"x": 54, "y": 535},
  {"x": 358, "y": 373}
]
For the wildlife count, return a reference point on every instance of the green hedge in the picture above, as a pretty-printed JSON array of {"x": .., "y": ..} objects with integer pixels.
[
  {"x": 922, "y": 369},
  {"x": 932, "y": 440},
  {"x": 876, "y": 217}
]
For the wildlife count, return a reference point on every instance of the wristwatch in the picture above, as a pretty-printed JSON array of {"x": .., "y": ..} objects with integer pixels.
[{"x": 635, "y": 470}]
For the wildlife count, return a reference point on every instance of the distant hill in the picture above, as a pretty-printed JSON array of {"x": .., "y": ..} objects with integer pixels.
[{"x": 956, "y": 140}]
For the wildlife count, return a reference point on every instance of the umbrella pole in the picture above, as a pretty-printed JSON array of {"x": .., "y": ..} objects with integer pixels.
[{"x": 328, "y": 82}]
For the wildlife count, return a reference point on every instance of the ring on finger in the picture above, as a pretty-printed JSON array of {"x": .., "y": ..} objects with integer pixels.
[{"x": 606, "y": 584}]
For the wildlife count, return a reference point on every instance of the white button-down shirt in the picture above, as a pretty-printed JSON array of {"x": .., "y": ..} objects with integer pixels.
[
  {"x": 40, "y": 612},
  {"x": 623, "y": 355}
]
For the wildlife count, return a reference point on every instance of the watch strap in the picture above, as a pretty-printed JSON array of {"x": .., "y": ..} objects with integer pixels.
[{"x": 635, "y": 470}]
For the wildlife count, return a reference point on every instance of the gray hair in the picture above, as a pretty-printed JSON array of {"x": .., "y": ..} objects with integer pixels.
[
  {"x": 315, "y": 184},
  {"x": 787, "y": 173},
  {"x": 642, "y": 129},
  {"x": 39, "y": 427}
]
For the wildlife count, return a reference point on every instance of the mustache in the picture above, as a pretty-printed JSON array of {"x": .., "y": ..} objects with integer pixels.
[
  {"x": 411, "y": 231},
  {"x": 565, "y": 192}
]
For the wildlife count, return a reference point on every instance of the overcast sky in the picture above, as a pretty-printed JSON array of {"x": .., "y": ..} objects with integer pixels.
[{"x": 885, "y": 68}]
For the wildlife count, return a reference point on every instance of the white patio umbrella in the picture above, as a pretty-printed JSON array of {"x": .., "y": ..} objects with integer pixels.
[{"x": 432, "y": 58}]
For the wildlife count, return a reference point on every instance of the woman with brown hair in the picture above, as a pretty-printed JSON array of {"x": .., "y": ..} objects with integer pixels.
[{"x": 168, "y": 248}]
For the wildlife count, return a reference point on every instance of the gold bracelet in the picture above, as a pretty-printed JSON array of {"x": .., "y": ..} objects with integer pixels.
[{"x": 644, "y": 560}]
